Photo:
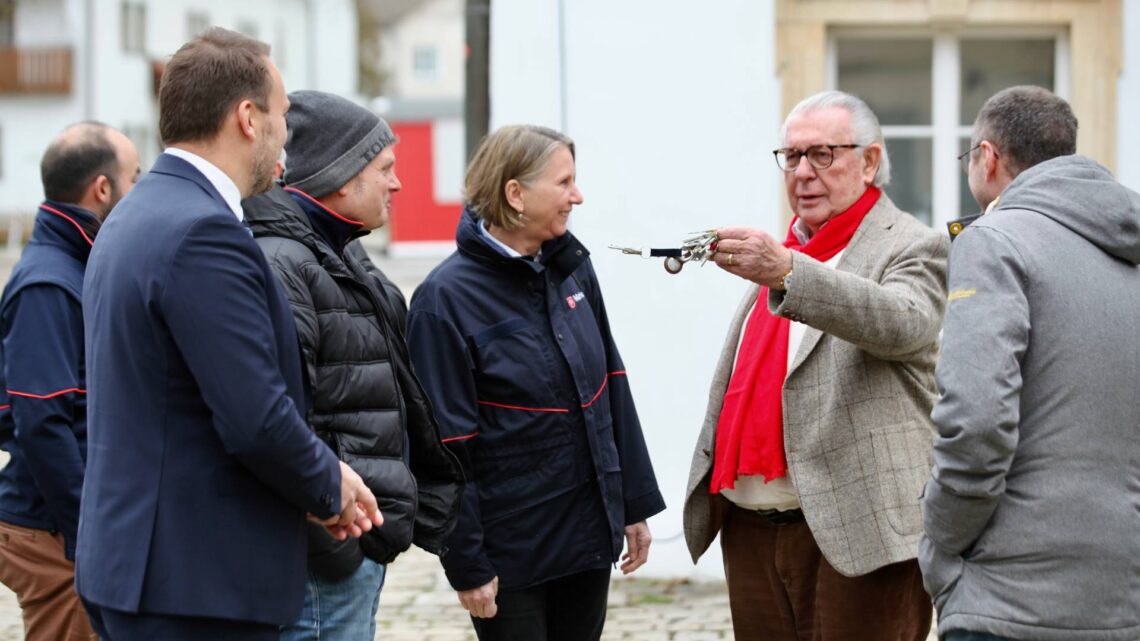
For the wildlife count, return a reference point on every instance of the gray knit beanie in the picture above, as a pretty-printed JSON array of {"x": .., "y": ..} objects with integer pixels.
[{"x": 330, "y": 140}]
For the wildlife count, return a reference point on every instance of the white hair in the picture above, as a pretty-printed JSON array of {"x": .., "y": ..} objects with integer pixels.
[{"x": 865, "y": 127}]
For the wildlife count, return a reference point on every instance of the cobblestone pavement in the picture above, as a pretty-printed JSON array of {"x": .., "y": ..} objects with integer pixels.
[{"x": 417, "y": 604}]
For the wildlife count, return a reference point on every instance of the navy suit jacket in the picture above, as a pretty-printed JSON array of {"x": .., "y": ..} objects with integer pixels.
[{"x": 200, "y": 465}]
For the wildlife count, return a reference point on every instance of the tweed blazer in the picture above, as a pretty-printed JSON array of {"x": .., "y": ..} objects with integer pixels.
[{"x": 857, "y": 397}]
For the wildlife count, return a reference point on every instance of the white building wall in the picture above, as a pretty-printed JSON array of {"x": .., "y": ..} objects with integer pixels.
[
  {"x": 333, "y": 37},
  {"x": 674, "y": 130},
  {"x": 1128, "y": 98},
  {"x": 525, "y": 78},
  {"x": 439, "y": 25}
]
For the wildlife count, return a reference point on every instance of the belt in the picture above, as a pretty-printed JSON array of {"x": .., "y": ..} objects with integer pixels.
[{"x": 782, "y": 517}]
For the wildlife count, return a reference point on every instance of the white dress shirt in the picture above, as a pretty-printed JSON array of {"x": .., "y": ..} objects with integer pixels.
[{"x": 218, "y": 178}]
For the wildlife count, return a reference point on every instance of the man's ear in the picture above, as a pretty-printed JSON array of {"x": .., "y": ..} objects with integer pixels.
[
  {"x": 872, "y": 156},
  {"x": 991, "y": 160},
  {"x": 101, "y": 190},
  {"x": 247, "y": 114},
  {"x": 513, "y": 191}
]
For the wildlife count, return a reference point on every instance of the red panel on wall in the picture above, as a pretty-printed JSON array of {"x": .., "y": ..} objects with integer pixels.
[{"x": 416, "y": 216}]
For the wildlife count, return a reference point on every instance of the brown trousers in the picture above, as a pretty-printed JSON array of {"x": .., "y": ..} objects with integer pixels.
[
  {"x": 781, "y": 588},
  {"x": 34, "y": 566}
]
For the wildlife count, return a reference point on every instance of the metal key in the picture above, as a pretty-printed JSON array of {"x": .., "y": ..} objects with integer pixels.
[
  {"x": 700, "y": 246},
  {"x": 634, "y": 251}
]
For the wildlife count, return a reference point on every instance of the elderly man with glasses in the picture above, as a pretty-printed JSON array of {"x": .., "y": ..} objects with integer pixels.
[{"x": 817, "y": 439}]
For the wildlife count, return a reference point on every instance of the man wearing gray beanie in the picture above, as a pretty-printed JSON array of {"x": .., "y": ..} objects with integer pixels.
[{"x": 339, "y": 178}]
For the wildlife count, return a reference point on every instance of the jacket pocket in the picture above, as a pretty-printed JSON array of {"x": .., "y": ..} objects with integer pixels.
[
  {"x": 902, "y": 467},
  {"x": 513, "y": 479},
  {"x": 940, "y": 571},
  {"x": 515, "y": 370}
]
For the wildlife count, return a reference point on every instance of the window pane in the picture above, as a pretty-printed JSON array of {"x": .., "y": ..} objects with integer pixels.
[
  {"x": 423, "y": 62},
  {"x": 892, "y": 76},
  {"x": 990, "y": 65},
  {"x": 910, "y": 186}
]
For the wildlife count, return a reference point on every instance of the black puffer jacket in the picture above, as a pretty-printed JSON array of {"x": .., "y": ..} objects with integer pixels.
[{"x": 365, "y": 401}]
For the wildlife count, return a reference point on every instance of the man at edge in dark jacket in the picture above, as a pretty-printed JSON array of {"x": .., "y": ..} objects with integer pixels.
[
  {"x": 364, "y": 400},
  {"x": 86, "y": 170}
]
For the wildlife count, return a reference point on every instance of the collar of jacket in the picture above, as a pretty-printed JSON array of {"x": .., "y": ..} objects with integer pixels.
[
  {"x": 68, "y": 227},
  {"x": 560, "y": 255},
  {"x": 278, "y": 213},
  {"x": 336, "y": 230}
]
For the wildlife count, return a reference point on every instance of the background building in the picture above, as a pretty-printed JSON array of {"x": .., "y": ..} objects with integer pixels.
[
  {"x": 422, "y": 57},
  {"x": 62, "y": 61}
]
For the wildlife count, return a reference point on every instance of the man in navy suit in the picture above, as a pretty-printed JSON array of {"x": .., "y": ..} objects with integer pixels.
[{"x": 200, "y": 466}]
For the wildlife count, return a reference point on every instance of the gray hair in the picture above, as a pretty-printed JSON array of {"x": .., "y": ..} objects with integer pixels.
[{"x": 865, "y": 127}]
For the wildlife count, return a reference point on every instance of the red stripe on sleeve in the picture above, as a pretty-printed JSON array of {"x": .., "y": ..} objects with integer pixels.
[
  {"x": 602, "y": 388},
  {"x": 44, "y": 397},
  {"x": 459, "y": 438}
]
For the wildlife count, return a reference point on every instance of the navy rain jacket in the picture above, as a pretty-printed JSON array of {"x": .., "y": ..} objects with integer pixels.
[
  {"x": 531, "y": 394},
  {"x": 43, "y": 405}
]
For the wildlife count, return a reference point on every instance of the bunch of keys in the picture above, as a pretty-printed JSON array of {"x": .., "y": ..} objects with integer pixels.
[{"x": 700, "y": 246}]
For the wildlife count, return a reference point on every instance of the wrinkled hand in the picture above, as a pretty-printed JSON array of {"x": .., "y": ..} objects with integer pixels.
[
  {"x": 637, "y": 539},
  {"x": 753, "y": 255},
  {"x": 480, "y": 601},
  {"x": 358, "y": 509}
]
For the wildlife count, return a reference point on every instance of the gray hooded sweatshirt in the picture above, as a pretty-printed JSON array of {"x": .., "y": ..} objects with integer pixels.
[{"x": 1032, "y": 518}]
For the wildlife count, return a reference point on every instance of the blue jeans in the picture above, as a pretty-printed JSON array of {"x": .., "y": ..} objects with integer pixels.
[{"x": 342, "y": 610}]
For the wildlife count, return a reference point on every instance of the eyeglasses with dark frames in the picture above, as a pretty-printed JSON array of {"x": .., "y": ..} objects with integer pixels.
[
  {"x": 818, "y": 156},
  {"x": 964, "y": 159}
]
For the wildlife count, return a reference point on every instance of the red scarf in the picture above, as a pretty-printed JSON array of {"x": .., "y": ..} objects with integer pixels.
[{"x": 750, "y": 431}]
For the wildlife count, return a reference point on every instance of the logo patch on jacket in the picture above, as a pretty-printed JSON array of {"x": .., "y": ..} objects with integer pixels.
[{"x": 572, "y": 300}]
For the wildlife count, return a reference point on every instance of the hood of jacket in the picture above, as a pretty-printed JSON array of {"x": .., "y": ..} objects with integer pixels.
[{"x": 1083, "y": 196}]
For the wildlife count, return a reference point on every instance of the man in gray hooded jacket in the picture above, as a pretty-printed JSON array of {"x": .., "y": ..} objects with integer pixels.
[{"x": 1033, "y": 513}]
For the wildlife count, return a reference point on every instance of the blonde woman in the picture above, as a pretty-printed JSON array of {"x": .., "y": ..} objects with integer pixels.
[{"x": 510, "y": 338}]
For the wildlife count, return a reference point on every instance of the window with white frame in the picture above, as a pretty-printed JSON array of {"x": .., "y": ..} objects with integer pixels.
[
  {"x": 133, "y": 26},
  {"x": 926, "y": 90},
  {"x": 424, "y": 62}
]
